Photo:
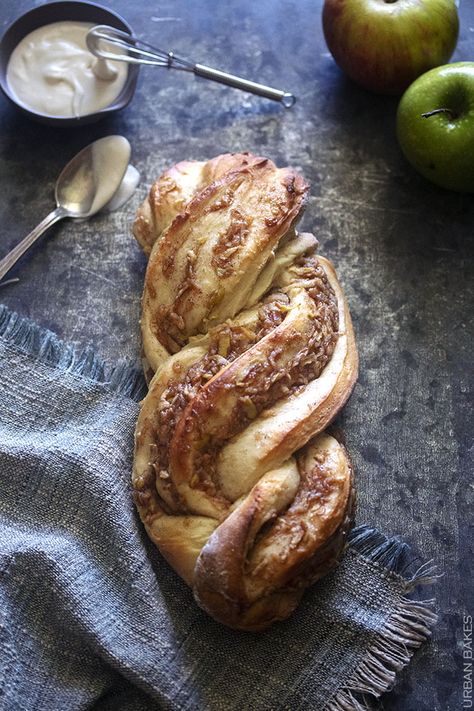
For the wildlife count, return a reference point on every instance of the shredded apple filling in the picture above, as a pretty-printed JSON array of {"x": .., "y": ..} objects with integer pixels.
[{"x": 262, "y": 384}]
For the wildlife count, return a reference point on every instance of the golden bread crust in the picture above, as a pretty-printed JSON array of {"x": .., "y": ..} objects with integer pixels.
[{"x": 250, "y": 338}]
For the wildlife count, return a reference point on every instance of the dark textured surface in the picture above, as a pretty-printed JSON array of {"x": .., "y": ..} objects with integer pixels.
[{"x": 402, "y": 247}]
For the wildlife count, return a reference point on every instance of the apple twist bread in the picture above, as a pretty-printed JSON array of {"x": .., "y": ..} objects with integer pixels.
[{"x": 249, "y": 337}]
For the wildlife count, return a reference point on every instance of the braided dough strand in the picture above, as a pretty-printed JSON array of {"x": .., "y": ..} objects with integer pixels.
[{"x": 250, "y": 340}]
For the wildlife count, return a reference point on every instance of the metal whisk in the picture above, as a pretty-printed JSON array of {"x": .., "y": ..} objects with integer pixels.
[{"x": 102, "y": 41}]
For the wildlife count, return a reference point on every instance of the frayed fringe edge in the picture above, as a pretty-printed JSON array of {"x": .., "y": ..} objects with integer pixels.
[
  {"x": 43, "y": 345},
  {"x": 405, "y": 630}
]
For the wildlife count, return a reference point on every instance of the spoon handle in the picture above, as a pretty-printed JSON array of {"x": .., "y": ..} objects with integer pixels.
[{"x": 14, "y": 255}]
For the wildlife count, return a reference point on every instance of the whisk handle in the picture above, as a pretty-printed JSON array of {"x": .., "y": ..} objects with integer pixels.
[{"x": 201, "y": 70}]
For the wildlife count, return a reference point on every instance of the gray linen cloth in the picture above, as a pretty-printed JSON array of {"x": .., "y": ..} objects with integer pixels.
[{"x": 92, "y": 617}]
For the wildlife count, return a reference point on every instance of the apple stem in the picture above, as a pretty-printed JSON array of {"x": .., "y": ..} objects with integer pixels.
[{"x": 439, "y": 111}]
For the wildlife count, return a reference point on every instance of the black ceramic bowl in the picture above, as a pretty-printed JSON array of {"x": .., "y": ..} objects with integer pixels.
[{"x": 59, "y": 12}]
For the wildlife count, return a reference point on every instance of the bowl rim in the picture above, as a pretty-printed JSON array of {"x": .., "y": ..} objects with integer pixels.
[{"x": 48, "y": 10}]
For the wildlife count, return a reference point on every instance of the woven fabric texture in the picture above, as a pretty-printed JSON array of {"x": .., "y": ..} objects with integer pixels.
[{"x": 92, "y": 617}]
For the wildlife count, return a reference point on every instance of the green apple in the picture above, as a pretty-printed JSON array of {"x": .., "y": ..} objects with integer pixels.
[
  {"x": 384, "y": 45},
  {"x": 435, "y": 126}
]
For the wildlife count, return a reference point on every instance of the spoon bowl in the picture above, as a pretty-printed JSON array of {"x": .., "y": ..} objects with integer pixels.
[{"x": 93, "y": 176}]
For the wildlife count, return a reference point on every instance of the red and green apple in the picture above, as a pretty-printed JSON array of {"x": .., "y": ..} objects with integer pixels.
[{"x": 384, "y": 45}]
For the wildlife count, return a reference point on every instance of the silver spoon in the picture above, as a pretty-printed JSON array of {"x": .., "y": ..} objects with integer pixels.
[{"x": 85, "y": 186}]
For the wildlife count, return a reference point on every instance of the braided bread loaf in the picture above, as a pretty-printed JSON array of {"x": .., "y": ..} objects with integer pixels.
[{"x": 250, "y": 341}]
